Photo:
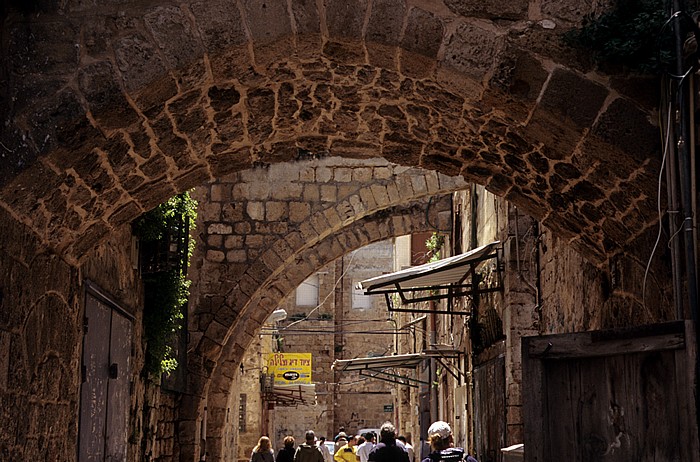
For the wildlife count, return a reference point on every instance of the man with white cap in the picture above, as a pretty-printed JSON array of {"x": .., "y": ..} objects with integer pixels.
[{"x": 442, "y": 445}]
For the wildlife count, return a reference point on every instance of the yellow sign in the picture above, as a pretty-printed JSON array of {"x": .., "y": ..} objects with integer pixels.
[{"x": 289, "y": 368}]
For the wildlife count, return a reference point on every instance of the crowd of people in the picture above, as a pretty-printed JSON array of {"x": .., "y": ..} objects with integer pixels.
[{"x": 368, "y": 447}]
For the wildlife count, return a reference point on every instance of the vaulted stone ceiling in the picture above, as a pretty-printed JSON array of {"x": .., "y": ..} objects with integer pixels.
[{"x": 112, "y": 110}]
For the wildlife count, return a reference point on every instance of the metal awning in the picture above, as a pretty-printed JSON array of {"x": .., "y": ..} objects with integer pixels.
[
  {"x": 455, "y": 274},
  {"x": 383, "y": 367}
]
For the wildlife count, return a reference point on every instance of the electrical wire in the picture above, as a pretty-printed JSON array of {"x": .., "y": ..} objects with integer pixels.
[
  {"x": 349, "y": 265},
  {"x": 658, "y": 206}
]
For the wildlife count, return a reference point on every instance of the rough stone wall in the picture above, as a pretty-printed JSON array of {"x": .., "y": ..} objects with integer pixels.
[
  {"x": 41, "y": 332},
  {"x": 550, "y": 288}
]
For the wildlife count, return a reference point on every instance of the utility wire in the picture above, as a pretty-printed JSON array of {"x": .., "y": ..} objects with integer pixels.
[{"x": 349, "y": 265}]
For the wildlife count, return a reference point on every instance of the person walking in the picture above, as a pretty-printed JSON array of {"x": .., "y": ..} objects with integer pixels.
[
  {"x": 442, "y": 445},
  {"x": 364, "y": 449},
  {"x": 347, "y": 452},
  {"x": 407, "y": 445},
  {"x": 308, "y": 451},
  {"x": 286, "y": 454},
  {"x": 387, "y": 450},
  {"x": 263, "y": 451},
  {"x": 327, "y": 456}
]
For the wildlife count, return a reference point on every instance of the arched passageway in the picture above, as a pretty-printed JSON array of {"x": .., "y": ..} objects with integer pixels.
[
  {"x": 112, "y": 111},
  {"x": 329, "y": 207}
]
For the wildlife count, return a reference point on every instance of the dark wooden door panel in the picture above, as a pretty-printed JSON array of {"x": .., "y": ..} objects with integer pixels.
[
  {"x": 118, "y": 403},
  {"x": 633, "y": 404},
  {"x": 490, "y": 409},
  {"x": 93, "y": 392}
]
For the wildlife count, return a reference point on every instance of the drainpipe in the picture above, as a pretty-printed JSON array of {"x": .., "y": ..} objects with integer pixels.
[
  {"x": 672, "y": 191},
  {"x": 684, "y": 141},
  {"x": 203, "y": 450},
  {"x": 433, "y": 364}
]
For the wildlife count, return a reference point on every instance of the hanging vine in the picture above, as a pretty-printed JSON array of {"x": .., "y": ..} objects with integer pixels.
[{"x": 166, "y": 248}]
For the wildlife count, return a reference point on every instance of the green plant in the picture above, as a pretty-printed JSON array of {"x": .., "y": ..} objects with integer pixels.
[
  {"x": 434, "y": 245},
  {"x": 166, "y": 288},
  {"x": 631, "y": 35}
]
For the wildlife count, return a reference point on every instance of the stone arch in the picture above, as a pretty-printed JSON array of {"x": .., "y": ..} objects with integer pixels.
[
  {"x": 166, "y": 96},
  {"x": 394, "y": 221}
]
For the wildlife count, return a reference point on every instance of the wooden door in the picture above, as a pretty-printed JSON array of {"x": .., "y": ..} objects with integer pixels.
[
  {"x": 104, "y": 393},
  {"x": 490, "y": 409},
  {"x": 623, "y": 395}
]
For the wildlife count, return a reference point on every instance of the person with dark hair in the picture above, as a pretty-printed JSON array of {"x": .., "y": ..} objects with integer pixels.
[
  {"x": 387, "y": 450},
  {"x": 308, "y": 451},
  {"x": 408, "y": 447},
  {"x": 286, "y": 454},
  {"x": 363, "y": 449},
  {"x": 327, "y": 456},
  {"x": 347, "y": 452},
  {"x": 263, "y": 451},
  {"x": 442, "y": 445}
]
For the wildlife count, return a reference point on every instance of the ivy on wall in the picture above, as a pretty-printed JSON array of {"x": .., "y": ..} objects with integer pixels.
[
  {"x": 631, "y": 35},
  {"x": 166, "y": 248}
]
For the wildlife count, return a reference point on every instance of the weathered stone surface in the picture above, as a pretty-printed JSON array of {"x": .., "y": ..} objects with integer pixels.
[
  {"x": 423, "y": 33},
  {"x": 574, "y": 97},
  {"x": 625, "y": 126},
  {"x": 174, "y": 34},
  {"x": 268, "y": 21},
  {"x": 345, "y": 17},
  {"x": 490, "y": 9}
]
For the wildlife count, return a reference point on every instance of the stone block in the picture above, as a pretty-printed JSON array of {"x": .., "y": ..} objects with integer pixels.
[
  {"x": 267, "y": 21},
  {"x": 628, "y": 128},
  {"x": 329, "y": 193},
  {"x": 345, "y": 18},
  {"x": 324, "y": 174},
  {"x": 219, "y": 228},
  {"x": 214, "y": 240},
  {"x": 312, "y": 193},
  {"x": 471, "y": 50},
  {"x": 172, "y": 30},
  {"x": 382, "y": 173},
  {"x": 215, "y": 256},
  {"x": 254, "y": 240},
  {"x": 386, "y": 21},
  {"x": 342, "y": 175},
  {"x": 419, "y": 185},
  {"x": 256, "y": 210},
  {"x": 573, "y": 97},
  {"x": 274, "y": 211},
  {"x": 381, "y": 196},
  {"x": 299, "y": 211},
  {"x": 307, "y": 174},
  {"x": 242, "y": 228},
  {"x": 220, "y": 192},
  {"x": 236, "y": 256},
  {"x": 423, "y": 33},
  {"x": 287, "y": 190},
  {"x": 491, "y": 9}
]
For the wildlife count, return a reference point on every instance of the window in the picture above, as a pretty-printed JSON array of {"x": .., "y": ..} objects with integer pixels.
[
  {"x": 307, "y": 292},
  {"x": 359, "y": 299}
]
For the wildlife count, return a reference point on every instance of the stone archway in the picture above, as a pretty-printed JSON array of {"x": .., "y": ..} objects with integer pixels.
[
  {"x": 112, "y": 111},
  {"x": 384, "y": 224},
  {"x": 263, "y": 231},
  {"x": 97, "y": 137}
]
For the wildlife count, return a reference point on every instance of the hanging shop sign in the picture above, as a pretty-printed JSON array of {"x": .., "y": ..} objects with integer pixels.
[{"x": 289, "y": 368}]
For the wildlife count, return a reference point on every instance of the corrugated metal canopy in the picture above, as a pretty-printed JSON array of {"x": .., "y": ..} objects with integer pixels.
[{"x": 451, "y": 270}]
